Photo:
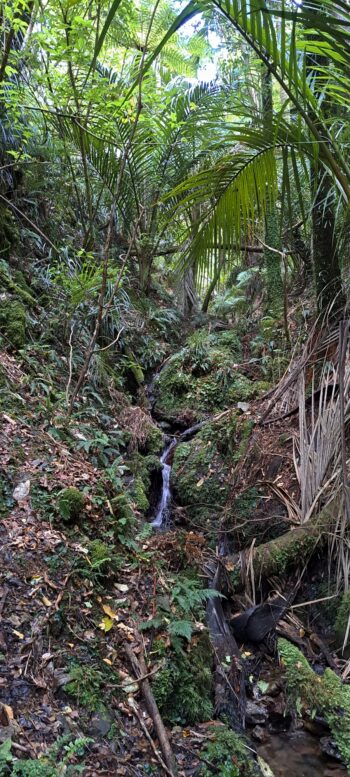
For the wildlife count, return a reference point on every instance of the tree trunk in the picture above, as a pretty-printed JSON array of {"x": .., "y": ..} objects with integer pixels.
[
  {"x": 325, "y": 258},
  {"x": 272, "y": 259}
]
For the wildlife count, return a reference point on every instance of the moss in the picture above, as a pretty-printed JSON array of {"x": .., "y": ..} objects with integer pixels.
[
  {"x": 86, "y": 686},
  {"x": 228, "y": 753},
  {"x": 155, "y": 442},
  {"x": 139, "y": 494},
  {"x": 70, "y": 504},
  {"x": 15, "y": 284},
  {"x": 199, "y": 478},
  {"x": 143, "y": 467},
  {"x": 13, "y": 320},
  {"x": 8, "y": 230},
  {"x": 342, "y": 619},
  {"x": 202, "y": 470},
  {"x": 203, "y": 376},
  {"x": 326, "y": 695},
  {"x": 121, "y": 507},
  {"x": 183, "y": 687}
]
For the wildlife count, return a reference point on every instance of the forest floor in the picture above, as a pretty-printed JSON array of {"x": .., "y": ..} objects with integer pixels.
[{"x": 70, "y": 699}]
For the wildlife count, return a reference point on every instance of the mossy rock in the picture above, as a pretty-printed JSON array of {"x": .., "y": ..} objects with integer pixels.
[
  {"x": 199, "y": 480},
  {"x": 155, "y": 440},
  {"x": 140, "y": 496},
  {"x": 71, "y": 504},
  {"x": 202, "y": 470},
  {"x": 13, "y": 322},
  {"x": 15, "y": 283},
  {"x": 203, "y": 377},
  {"x": 326, "y": 695}
]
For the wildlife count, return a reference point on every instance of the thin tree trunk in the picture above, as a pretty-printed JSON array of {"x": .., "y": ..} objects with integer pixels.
[{"x": 275, "y": 290}]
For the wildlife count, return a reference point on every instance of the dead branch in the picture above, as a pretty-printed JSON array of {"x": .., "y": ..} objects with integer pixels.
[{"x": 140, "y": 669}]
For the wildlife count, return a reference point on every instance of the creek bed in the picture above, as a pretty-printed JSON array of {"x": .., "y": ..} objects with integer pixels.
[{"x": 298, "y": 755}]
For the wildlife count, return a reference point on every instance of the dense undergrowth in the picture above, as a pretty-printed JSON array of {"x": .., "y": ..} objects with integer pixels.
[{"x": 77, "y": 492}]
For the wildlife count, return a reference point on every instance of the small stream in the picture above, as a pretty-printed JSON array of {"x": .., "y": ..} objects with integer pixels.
[
  {"x": 162, "y": 515},
  {"x": 291, "y": 754}
]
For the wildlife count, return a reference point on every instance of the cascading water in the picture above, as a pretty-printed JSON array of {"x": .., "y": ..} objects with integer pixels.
[{"x": 162, "y": 512}]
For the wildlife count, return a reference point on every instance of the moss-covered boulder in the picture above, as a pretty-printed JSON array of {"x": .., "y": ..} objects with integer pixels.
[
  {"x": 202, "y": 470},
  {"x": 13, "y": 321},
  {"x": 71, "y": 504},
  {"x": 313, "y": 694},
  {"x": 203, "y": 378}
]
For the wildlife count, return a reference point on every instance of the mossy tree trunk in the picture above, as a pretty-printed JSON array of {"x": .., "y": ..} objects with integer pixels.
[
  {"x": 325, "y": 257},
  {"x": 272, "y": 258}
]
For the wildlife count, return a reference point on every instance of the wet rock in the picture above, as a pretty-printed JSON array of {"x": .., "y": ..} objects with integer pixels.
[
  {"x": 260, "y": 734},
  {"x": 328, "y": 747},
  {"x": 317, "y": 726},
  {"x": 100, "y": 724},
  {"x": 256, "y": 714}
]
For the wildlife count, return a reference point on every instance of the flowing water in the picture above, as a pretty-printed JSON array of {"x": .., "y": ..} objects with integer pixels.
[
  {"x": 163, "y": 509},
  {"x": 288, "y": 755}
]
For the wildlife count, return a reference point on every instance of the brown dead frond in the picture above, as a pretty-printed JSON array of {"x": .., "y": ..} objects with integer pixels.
[{"x": 138, "y": 423}]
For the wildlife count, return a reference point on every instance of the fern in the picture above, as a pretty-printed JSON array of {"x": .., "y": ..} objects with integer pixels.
[{"x": 180, "y": 629}]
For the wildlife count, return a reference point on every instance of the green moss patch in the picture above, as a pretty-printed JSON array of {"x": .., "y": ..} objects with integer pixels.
[
  {"x": 311, "y": 693},
  {"x": 203, "y": 376},
  {"x": 228, "y": 753},
  {"x": 70, "y": 504},
  {"x": 13, "y": 321},
  {"x": 183, "y": 687}
]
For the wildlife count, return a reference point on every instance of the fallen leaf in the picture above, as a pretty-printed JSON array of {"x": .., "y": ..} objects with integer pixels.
[
  {"x": 106, "y": 624},
  {"x": 108, "y": 610},
  {"x": 6, "y": 714},
  {"x": 18, "y": 634}
]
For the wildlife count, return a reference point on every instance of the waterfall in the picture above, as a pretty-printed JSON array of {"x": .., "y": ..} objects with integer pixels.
[{"x": 164, "y": 502}]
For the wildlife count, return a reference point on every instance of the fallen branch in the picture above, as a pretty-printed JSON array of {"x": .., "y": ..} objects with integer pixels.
[
  {"x": 140, "y": 669},
  {"x": 148, "y": 737}
]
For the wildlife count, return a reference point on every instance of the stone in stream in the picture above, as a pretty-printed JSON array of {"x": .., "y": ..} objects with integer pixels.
[
  {"x": 260, "y": 734},
  {"x": 328, "y": 747},
  {"x": 256, "y": 713}
]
